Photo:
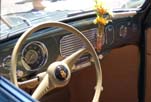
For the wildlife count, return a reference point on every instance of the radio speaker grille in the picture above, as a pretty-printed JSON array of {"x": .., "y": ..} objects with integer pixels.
[{"x": 70, "y": 43}]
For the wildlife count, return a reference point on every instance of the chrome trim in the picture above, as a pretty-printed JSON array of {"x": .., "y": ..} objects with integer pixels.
[
  {"x": 124, "y": 14},
  {"x": 85, "y": 64},
  {"x": 81, "y": 66}
]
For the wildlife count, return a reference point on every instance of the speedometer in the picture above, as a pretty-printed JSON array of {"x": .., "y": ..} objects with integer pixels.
[{"x": 34, "y": 55}]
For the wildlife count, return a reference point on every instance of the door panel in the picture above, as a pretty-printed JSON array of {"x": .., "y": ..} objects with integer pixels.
[{"x": 148, "y": 67}]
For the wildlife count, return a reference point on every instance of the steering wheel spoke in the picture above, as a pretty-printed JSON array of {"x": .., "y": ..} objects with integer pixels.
[
  {"x": 45, "y": 86},
  {"x": 70, "y": 60}
]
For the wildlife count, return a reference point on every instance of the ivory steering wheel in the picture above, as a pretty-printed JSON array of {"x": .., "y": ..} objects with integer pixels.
[{"x": 58, "y": 73}]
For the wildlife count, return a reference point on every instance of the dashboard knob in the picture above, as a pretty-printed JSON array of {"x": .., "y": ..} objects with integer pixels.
[{"x": 123, "y": 31}]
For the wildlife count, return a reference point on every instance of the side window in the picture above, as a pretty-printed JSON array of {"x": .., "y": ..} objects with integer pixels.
[
  {"x": 133, "y": 4},
  {"x": 126, "y": 4}
]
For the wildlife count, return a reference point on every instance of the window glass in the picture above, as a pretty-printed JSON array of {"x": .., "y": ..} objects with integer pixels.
[
  {"x": 16, "y": 15},
  {"x": 11, "y": 6},
  {"x": 125, "y": 3}
]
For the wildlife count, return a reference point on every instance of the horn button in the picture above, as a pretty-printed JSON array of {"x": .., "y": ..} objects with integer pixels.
[{"x": 61, "y": 72}]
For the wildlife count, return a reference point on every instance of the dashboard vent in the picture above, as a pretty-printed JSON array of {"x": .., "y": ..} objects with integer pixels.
[{"x": 70, "y": 43}]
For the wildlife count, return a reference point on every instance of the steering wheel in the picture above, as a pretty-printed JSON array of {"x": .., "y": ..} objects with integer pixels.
[{"x": 58, "y": 73}]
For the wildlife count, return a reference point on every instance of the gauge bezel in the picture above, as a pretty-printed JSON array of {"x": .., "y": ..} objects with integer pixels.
[
  {"x": 109, "y": 42},
  {"x": 4, "y": 63},
  {"x": 44, "y": 50}
]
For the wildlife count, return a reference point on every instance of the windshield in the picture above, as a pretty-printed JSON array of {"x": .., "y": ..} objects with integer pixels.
[
  {"x": 14, "y": 6},
  {"x": 17, "y": 15}
]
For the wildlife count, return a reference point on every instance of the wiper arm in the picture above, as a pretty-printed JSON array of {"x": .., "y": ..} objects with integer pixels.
[
  {"x": 12, "y": 29},
  {"x": 25, "y": 20},
  {"x": 5, "y": 22}
]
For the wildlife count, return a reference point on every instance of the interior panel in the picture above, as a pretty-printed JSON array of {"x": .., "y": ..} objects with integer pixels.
[
  {"x": 148, "y": 67},
  {"x": 120, "y": 78}
]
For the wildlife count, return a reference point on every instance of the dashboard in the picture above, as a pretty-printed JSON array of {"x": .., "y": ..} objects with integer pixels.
[{"x": 51, "y": 44}]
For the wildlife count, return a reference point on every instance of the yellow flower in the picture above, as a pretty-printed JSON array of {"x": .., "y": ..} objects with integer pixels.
[
  {"x": 101, "y": 20},
  {"x": 102, "y": 10}
]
